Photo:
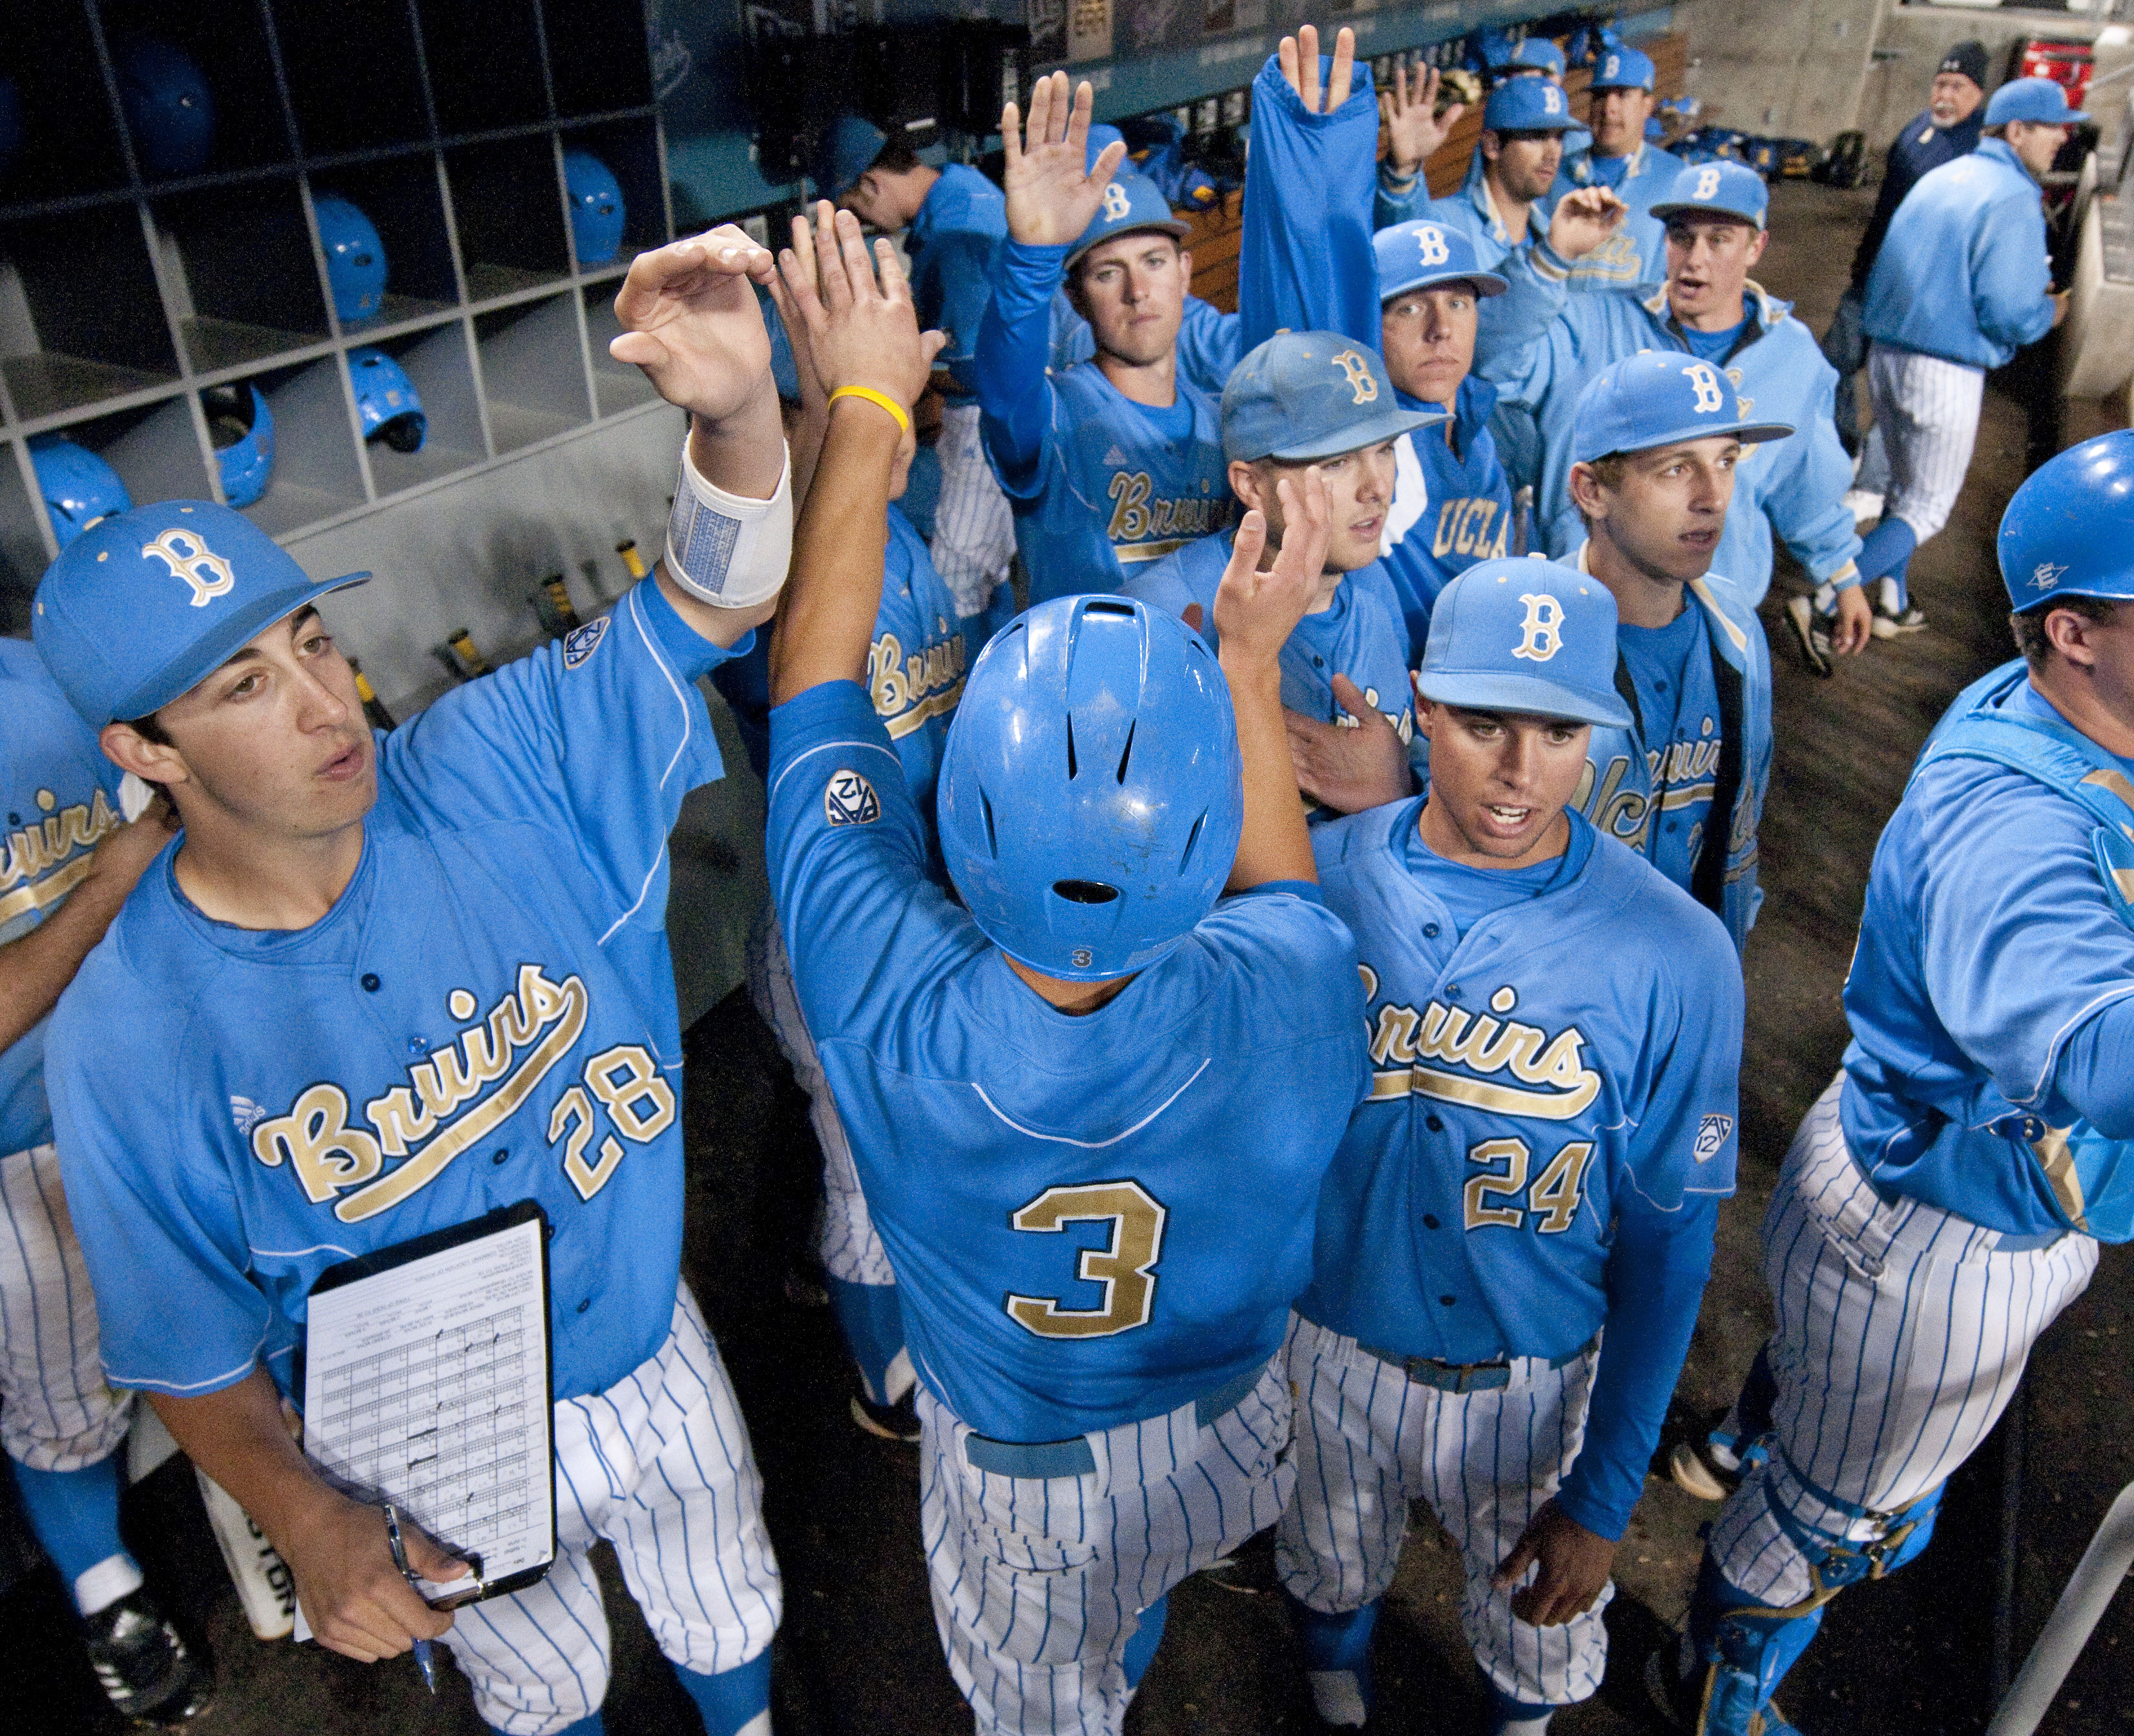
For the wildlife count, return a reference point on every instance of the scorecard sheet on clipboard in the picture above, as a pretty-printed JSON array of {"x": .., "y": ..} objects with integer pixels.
[{"x": 426, "y": 1384}]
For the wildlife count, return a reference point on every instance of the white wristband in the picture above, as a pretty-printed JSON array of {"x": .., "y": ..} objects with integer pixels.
[{"x": 726, "y": 549}]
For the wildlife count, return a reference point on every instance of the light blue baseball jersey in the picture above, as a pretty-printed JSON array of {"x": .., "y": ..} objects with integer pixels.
[
  {"x": 951, "y": 242},
  {"x": 1097, "y": 485},
  {"x": 1552, "y": 1082},
  {"x": 1964, "y": 273},
  {"x": 485, "y": 1015},
  {"x": 1988, "y": 952},
  {"x": 1635, "y": 258},
  {"x": 1452, "y": 507},
  {"x": 59, "y": 797},
  {"x": 1795, "y": 485},
  {"x": 1359, "y": 635},
  {"x": 1093, "y": 1220}
]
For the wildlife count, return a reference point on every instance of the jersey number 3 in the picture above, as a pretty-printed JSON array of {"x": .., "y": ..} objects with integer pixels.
[{"x": 1121, "y": 1267}]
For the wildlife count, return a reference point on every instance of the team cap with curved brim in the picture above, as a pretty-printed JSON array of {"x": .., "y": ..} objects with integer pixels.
[
  {"x": 1716, "y": 189},
  {"x": 1306, "y": 395},
  {"x": 1524, "y": 636},
  {"x": 1528, "y": 105},
  {"x": 2069, "y": 529},
  {"x": 1623, "y": 69},
  {"x": 2041, "y": 101},
  {"x": 1655, "y": 399},
  {"x": 1420, "y": 254},
  {"x": 845, "y": 150},
  {"x": 141, "y": 607},
  {"x": 1532, "y": 54},
  {"x": 1130, "y": 202}
]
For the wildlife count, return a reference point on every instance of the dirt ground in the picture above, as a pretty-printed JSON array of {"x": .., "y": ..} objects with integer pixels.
[{"x": 857, "y": 1654}]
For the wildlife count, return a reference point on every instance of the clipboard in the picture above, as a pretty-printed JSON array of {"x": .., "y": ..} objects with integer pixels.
[{"x": 429, "y": 1381}]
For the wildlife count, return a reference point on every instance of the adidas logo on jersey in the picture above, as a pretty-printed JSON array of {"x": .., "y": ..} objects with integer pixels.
[
  {"x": 246, "y": 1113},
  {"x": 1403, "y": 1038},
  {"x": 1115, "y": 457}
]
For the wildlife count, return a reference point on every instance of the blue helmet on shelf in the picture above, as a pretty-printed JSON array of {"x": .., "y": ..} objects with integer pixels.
[
  {"x": 1091, "y": 793},
  {"x": 2069, "y": 529},
  {"x": 243, "y": 429},
  {"x": 355, "y": 258},
  {"x": 78, "y": 487},
  {"x": 597, "y": 213},
  {"x": 387, "y": 401},
  {"x": 169, "y": 108}
]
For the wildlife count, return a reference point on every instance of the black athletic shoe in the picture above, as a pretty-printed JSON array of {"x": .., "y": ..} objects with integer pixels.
[
  {"x": 145, "y": 1670},
  {"x": 898, "y": 1421},
  {"x": 1248, "y": 1569},
  {"x": 1812, "y": 633}
]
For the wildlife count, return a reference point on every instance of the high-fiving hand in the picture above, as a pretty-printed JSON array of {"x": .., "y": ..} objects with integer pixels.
[
  {"x": 861, "y": 331},
  {"x": 1414, "y": 128},
  {"x": 1257, "y": 609},
  {"x": 690, "y": 320},
  {"x": 1053, "y": 191},
  {"x": 1584, "y": 217}
]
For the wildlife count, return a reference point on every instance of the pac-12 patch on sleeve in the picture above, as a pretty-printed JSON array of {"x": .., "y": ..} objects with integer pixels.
[
  {"x": 1711, "y": 1135},
  {"x": 582, "y": 642},
  {"x": 849, "y": 799}
]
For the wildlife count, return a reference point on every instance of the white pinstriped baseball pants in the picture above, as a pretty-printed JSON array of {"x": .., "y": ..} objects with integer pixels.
[
  {"x": 1039, "y": 1583},
  {"x": 659, "y": 1464},
  {"x": 1370, "y": 1440},
  {"x": 973, "y": 525},
  {"x": 1902, "y": 1331},
  {"x": 58, "y": 1414},
  {"x": 1926, "y": 417}
]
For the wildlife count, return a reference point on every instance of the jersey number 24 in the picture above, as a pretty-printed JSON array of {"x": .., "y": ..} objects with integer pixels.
[{"x": 1123, "y": 1268}]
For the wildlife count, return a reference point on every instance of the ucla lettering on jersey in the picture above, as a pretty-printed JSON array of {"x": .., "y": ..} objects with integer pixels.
[{"x": 1474, "y": 529}]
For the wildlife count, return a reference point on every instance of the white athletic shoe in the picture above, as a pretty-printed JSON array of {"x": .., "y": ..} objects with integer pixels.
[
  {"x": 1812, "y": 633},
  {"x": 1887, "y": 625},
  {"x": 1865, "y": 505}
]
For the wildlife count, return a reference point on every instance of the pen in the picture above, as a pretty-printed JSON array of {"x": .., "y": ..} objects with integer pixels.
[{"x": 423, "y": 1660}]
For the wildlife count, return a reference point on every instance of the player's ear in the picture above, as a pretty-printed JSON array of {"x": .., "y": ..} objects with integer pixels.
[
  {"x": 1587, "y": 494},
  {"x": 1762, "y": 240},
  {"x": 1493, "y": 146},
  {"x": 1245, "y": 483},
  {"x": 1185, "y": 268},
  {"x": 152, "y": 762}
]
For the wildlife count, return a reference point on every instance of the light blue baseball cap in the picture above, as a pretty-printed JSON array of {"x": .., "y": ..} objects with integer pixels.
[
  {"x": 142, "y": 605},
  {"x": 1305, "y": 395},
  {"x": 1655, "y": 399},
  {"x": 1130, "y": 202},
  {"x": 1716, "y": 189},
  {"x": 1420, "y": 254},
  {"x": 845, "y": 150},
  {"x": 1623, "y": 69},
  {"x": 1528, "y": 105},
  {"x": 1101, "y": 134},
  {"x": 1535, "y": 54},
  {"x": 2040, "y": 100},
  {"x": 1524, "y": 636}
]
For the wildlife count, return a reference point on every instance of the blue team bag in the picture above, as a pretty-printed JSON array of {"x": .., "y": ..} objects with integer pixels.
[{"x": 2091, "y": 1177}]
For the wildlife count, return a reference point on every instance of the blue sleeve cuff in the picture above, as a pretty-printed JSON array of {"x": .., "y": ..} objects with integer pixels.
[
  {"x": 1308, "y": 891},
  {"x": 688, "y": 650},
  {"x": 829, "y": 711}
]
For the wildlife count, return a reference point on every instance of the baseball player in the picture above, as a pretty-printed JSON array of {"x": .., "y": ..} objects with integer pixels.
[
  {"x": 951, "y": 220},
  {"x": 1119, "y": 461},
  {"x": 1946, "y": 129},
  {"x": 387, "y": 983},
  {"x": 1032, "y": 1080},
  {"x": 1639, "y": 173},
  {"x": 1708, "y": 308},
  {"x": 67, "y": 861},
  {"x": 1549, "y": 1132},
  {"x": 1312, "y": 399},
  {"x": 1943, "y": 1199},
  {"x": 1962, "y": 282}
]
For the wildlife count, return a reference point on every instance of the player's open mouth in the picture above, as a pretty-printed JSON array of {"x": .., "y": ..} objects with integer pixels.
[
  {"x": 347, "y": 764},
  {"x": 1367, "y": 527},
  {"x": 1509, "y": 819}
]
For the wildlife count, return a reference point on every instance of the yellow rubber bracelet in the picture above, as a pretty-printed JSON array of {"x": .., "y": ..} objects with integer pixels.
[{"x": 903, "y": 416}]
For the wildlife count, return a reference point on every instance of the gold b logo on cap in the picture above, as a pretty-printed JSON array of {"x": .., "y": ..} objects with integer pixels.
[
  {"x": 1360, "y": 379},
  {"x": 193, "y": 561},
  {"x": 1117, "y": 205},
  {"x": 1541, "y": 633}
]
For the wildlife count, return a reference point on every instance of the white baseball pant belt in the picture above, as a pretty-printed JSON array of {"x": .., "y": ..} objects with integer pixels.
[
  {"x": 1074, "y": 1456},
  {"x": 1467, "y": 1377}
]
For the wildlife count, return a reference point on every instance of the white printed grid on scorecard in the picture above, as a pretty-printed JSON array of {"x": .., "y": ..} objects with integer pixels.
[{"x": 426, "y": 1384}]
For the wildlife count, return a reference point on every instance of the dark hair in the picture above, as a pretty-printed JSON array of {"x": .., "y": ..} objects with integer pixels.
[
  {"x": 2029, "y": 624},
  {"x": 1609, "y": 471},
  {"x": 895, "y": 155},
  {"x": 147, "y": 729}
]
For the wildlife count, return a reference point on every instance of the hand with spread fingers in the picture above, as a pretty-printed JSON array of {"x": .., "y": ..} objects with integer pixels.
[
  {"x": 862, "y": 335},
  {"x": 1053, "y": 190},
  {"x": 690, "y": 321},
  {"x": 1257, "y": 608},
  {"x": 1414, "y": 127}
]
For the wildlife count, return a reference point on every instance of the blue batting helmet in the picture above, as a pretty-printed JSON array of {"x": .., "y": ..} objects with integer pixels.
[
  {"x": 2069, "y": 530},
  {"x": 1091, "y": 792},
  {"x": 80, "y": 488},
  {"x": 355, "y": 258},
  {"x": 387, "y": 402},
  {"x": 242, "y": 429},
  {"x": 169, "y": 108},
  {"x": 597, "y": 212}
]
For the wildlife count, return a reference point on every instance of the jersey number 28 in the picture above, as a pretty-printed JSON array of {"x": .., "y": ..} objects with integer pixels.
[{"x": 1121, "y": 1267}]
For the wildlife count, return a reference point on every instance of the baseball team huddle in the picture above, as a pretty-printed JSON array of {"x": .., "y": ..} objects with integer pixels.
[{"x": 1272, "y": 1008}]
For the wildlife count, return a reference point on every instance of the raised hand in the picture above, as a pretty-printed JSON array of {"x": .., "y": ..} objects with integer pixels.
[
  {"x": 690, "y": 321},
  {"x": 1348, "y": 769},
  {"x": 1583, "y": 218},
  {"x": 1051, "y": 195},
  {"x": 1414, "y": 128},
  {"x": 1256, "y": 611},
  {"x": 1300, "y": 68},
  {"x": 860, "y": 331}
]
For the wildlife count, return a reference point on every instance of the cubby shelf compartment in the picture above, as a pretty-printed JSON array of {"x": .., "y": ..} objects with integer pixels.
[
  {"x": 81, "y": 319},
  {"x": 405, "y": 199},
  {"x": 316, "y": 471},
  {"x": 486, "y": 63},
  {"x": 240, "y": 268},
  {"x": 354, "y": 75},
  {"x": 438, "y": 363},
  {"x": 507, "y": 199},
  {"x": 533, "y": 371}
]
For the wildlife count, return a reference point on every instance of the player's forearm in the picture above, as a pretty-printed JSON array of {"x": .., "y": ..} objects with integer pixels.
[
  {"x": 238, "y": 1437},
  {"x": 826, "y": 621},
  {"x": 1014, "y": 347},
  {"x": 1273, "y": 844},
  {"x": 745, "y": 453},
  {"x": 36, "y": 970}
]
